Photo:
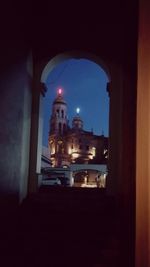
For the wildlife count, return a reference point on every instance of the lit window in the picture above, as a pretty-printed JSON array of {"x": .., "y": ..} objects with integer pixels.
[{"x": 94, "y": 151}]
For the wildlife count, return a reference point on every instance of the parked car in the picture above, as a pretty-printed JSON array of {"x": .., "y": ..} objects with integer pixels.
[{"x": 51, "y": 181}]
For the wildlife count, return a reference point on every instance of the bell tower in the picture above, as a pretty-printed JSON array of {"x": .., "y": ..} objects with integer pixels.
[
  {"x": 58, "y": 128},
  {"x": 58, "y": 121}
]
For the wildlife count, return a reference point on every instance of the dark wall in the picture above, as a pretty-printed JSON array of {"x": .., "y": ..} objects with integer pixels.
[
  {"x": 107, "y": 28},
  {"x": 15, "y": 105}
]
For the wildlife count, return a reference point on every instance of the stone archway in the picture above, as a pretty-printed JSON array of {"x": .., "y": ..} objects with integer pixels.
[
  {"x": 42, "y": 69},
  {"x": 48, "y": 66}
]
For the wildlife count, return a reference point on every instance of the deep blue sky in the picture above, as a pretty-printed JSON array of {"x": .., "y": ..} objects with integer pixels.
[{"x": 84, "y": 86}]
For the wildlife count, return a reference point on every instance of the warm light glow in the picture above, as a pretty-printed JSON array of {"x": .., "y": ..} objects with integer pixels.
[
  {"x": 102, "y": 180},
  {"x": 52, "y": 149},
  {"x": 69, "y": 150},
  {"x": 65, "y": 166},
  {"x": 90, "y": 156},
  {"x": 94, "y": 151},
  {"x": 59, "y": 91},
  {"x": 88, "y": 185},
  {"x": 78, "y": 110},
  {"x": 75, "y": 155}
]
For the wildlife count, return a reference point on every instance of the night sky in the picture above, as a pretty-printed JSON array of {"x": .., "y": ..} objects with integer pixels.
[{"x": 84, "y": 85}]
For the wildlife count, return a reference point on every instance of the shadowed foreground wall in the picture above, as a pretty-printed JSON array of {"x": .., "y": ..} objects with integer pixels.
[{"x": 15, "y": 110}]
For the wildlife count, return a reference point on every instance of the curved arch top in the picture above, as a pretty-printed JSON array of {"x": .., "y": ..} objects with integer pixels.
[{"x": 76, "y": 55}]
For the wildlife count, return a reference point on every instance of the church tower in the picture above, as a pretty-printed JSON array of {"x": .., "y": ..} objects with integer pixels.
[
  {"x": 58, "y": 121},
  {"x": 58, "y": 129},
  {"x": 77, "y": 122}
]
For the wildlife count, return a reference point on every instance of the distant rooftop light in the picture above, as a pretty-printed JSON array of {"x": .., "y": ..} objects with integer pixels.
[{"x": 78, "y": 110}]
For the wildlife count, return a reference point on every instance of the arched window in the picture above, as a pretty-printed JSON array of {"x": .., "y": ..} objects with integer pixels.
[
  {"x": 64, "y": 127},
  {"x": 59, "y": 127},
  {"x": 62, "y": 113},
  {"x": 57, "y": 112}
]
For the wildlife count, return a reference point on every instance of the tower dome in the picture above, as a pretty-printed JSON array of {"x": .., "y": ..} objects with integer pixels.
[
  {"x": 77, "y": 122},
  {"x": 59, "y": 98}
]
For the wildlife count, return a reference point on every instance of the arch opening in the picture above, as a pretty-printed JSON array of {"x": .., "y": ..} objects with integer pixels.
[{"x": 67, "y": 154}]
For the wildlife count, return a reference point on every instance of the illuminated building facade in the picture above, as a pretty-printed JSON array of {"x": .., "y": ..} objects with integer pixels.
[{"x": 73, "y": 144}]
